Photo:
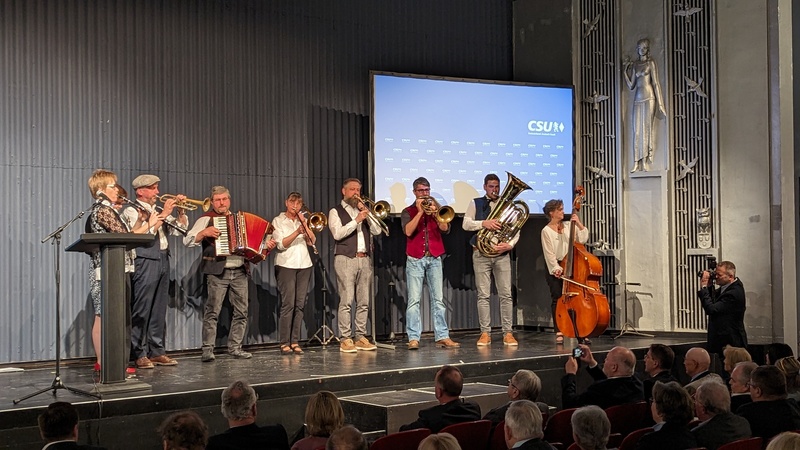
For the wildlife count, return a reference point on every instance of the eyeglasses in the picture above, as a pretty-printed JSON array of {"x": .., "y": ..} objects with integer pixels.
[
  {"x": 511, "y": 383},
  {"x": 111, "y": 186}
]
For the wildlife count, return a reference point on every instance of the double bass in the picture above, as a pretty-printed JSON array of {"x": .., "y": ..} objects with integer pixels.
[{"x": 582, "y": 310}]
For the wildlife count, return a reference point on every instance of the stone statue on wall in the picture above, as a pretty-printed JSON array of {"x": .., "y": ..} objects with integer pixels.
[
  {"x": 641, "y": 77},
  {"x": 704, "y": 227}
]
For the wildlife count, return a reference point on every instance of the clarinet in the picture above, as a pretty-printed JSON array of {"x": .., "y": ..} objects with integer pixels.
[{"x": 170, "y": 223}]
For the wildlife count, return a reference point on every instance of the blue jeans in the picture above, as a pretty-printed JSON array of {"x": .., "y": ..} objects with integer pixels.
[{"x": 416, "y": 271}]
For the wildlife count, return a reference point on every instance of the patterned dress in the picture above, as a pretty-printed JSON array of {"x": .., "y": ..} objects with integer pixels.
[{"x": 104, "y": 219}]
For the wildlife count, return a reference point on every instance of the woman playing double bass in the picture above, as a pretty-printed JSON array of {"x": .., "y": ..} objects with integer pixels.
[{"x": 555, "y": 245}]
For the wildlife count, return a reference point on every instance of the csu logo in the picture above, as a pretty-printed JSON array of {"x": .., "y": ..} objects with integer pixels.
[{"x": 545, "y": 127}]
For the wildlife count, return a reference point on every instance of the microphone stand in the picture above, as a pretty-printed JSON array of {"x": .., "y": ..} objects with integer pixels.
[
  {"x": 324, "y": 334},
  {"x": 57, "y": 383}
]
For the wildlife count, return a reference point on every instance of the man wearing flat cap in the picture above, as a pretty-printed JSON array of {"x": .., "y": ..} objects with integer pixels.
[{"x": 150, "y": 281}]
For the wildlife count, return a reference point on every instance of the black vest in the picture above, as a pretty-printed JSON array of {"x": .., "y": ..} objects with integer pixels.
[
  {"x": 482, "y": 210},
  {"x": 349, "y": 245}
]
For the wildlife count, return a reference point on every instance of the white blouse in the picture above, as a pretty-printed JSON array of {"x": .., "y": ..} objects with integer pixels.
[
  {"x": 295, "y": 256},
  {"x": 555, "y": 245}
]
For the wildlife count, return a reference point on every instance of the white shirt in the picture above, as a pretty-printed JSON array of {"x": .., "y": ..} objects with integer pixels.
[
  {"x": 340, "y": 231},
  {"x": 296, "y": 255},
  {"x": 131, "y": 216},
  {"x": 555, "y": 245},
  {"x": 470, "y": 224}
]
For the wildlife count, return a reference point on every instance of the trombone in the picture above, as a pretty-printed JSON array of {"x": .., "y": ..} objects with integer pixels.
[
  {"x": 442, "y": 214},
  {"x": 316, "y": 221},
  {"x": 377, "y": 212},
  {"x": 188, "y": 204}
]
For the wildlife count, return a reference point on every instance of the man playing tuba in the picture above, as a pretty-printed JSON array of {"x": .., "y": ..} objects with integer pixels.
[{"x": 476, "y": 219}]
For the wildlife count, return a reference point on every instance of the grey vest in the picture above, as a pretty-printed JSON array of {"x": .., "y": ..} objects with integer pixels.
[{"x": 349, "y": 245}]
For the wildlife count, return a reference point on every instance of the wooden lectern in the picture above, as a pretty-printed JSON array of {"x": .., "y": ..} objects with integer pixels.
[{"x": 114, "y": 358}]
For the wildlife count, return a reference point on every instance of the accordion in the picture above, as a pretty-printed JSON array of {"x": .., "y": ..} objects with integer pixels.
[{"x": 242, "y": 234}]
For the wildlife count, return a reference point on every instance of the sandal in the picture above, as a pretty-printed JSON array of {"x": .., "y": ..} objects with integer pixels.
[
  {"x": 286, "y": 350},
  {"x": 559, "y": 338},
  {"x": 296, "y": 348}
]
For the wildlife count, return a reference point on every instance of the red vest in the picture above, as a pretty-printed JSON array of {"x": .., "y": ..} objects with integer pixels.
[{"x": 415, "y": 244}]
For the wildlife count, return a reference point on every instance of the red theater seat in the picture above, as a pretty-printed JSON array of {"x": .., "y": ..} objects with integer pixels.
[{"x": 402, "y": 440}]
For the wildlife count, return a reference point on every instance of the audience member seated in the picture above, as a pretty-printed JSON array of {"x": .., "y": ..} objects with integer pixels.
[
  {"x": 718, "y": 425},
  {"x": 523, "y": 426},
  {"x": 441, "y": 441},
  {"x": 451, "y": 408},
  {"x": 183, "y": 430},
  {"x": 239, "y": 407},
  {"x": 776, "y": 351},
  {"x": 739, "y": 382},
  {"x": 58, "y": 426},
  {"x": 614, "y": 383},
  {"x": 672, "y": 410},
  {"x": 324, "y": 415},
  {"x": 658, "y": 363},
  {"x": 347, "y": 438},
  {"x": 770, "y": 412},
  {"x": 697, "y": 363},
  {"x": 523, "y": 385},
  {"x": 791, "y": 370},
  {"x": 590, "y": 428},
  {"x": 734, "y": 355},
  {"x": 788, "y": 440}
]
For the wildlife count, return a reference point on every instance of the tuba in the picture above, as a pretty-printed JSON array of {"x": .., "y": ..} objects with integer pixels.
[
  {"x": 511, "y": 214},
  {"x": 378, "y": 212}
]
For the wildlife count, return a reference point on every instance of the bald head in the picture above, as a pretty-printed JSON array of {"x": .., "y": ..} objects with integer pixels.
[
  {"x": 697, "y": 360},
  {"x": 620, "y": 362}
]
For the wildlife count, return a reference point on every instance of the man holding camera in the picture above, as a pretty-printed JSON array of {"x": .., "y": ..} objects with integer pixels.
[
  {"x": 724, "y": 306},
  {"x": 614, "y": 383}
]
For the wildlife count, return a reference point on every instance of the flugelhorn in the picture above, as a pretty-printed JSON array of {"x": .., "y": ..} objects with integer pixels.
[
  {"x": 188, "y": 204},
  {"x": 316, "y": 221},
  {"x": 442, "y": 214},
  {"x": 376, "y": 212},
  {"x": 174, "y": 224}
]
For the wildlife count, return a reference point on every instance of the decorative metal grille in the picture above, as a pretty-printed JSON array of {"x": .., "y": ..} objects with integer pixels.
[
  {"x": 693, "y": 97},
  {"x": 598, "y": 164}
]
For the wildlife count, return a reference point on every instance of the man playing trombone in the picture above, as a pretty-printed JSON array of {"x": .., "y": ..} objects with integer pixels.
[
  {"x": 423, "y": 227},
  {"x": 150, "y": 280},
  {"x": 475, "y": 219},
  {"x": 352, "y": 262},
  {"x": 293, "y": 270}
]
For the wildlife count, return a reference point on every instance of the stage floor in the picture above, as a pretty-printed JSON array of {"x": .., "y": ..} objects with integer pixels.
[{"x": 285, "y": 382}]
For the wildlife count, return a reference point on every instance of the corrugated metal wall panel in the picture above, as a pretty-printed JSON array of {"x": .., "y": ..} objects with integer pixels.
[{"x": 263, "y": 97}]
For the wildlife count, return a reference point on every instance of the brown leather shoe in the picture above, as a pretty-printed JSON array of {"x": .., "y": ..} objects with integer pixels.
[
  {"x": 163, "y": 360},
  {"x": 144, "y": 363},
  {"x": 413, "y": 344},
  {"x": 447, "y": 343}
]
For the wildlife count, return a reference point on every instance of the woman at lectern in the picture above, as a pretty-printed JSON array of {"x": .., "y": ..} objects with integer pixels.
[{"x": 104, "y": 218}]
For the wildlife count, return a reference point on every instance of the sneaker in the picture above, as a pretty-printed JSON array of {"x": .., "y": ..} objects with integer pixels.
[
  {"x": 208, "y": 354},
  {"x": 365, "y": 345},
  {"x": 347, "y": 346},
  {"x": 240, "y": 354},
  {"x": 508, "y": 339},
  {"x": 413, "y": 344},
  {"x": 447, "y": 343},
  {"x": 484, "y": 340}
]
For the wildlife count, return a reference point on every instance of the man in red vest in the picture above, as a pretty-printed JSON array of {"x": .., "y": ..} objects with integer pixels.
[{"x": 424, "y": 250}]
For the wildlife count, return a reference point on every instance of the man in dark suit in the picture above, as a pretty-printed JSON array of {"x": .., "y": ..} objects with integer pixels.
[
  {"x": 658, "y": 367},
  {"x": 770, "y": 412},
  {"x": 614, "y": 383},
  {"x": 239, "y": 407},
  {"x": 740, "y": 384},
  {"x": 451, "y": 408},
  {"x": 719, "y": 425},
  {"x": 523, "y": 385},
  {"x": 725, "y": 308},
  {"x": 523, "y": 427},
  {"x": 697, "y": 363},
  {"x": 58, "y": 426}
]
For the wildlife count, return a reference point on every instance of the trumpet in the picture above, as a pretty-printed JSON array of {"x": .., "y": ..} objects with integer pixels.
[
  {"x": 377, "y": 212},
  {"x": 316, "y": 221},
  {"x": 442, "y": 214},
  {"x": 188, "y": 204}
]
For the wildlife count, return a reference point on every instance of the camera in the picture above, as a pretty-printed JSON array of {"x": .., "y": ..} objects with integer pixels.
[
  {"x": 577, "y": 352},
  {"x": 711, "y": 261}
]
